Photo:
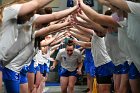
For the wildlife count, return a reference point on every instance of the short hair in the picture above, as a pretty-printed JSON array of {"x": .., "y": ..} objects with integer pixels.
[
  {"x": 40, "y": 11},
  {"x": 48, "y": 10},
  {"x": 70, "y": 43}
]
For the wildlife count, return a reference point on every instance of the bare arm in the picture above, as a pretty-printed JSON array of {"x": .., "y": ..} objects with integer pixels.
[
  {"x": 80, "y": 32},
  {"x": 54, "y": 65},
  {"x": 50, "y": 28},
  {"x": 32, "y": 5},
  {"x": 80, "y": 68},
  {"x": 54, "y": 47},
  {"x": 55, "y": 16},
  {"x": 84, "y": 23},
  {"x": 57, "y": 41},
  {"x": 81, "y": 37},
  {"x": 82, "y": 43},
  {"x": 121, "y": 4},
  {"x": 95, "y": 26},
  {"x": 84, "y": 29},
  {"x": 45, "y": 43},
  {"x": 98, "y": 18}
]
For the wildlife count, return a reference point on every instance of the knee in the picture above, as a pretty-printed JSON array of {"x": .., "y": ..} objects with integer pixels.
[
  {"x": 64, "y": 90},
  {"x": 116, "y": 88},
  {"x": 71, "y": 87}
]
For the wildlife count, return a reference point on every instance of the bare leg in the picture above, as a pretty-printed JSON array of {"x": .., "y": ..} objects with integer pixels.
[
  {"x": 24, "y": 88},
  {"x": 135, "y": 85},
  {"x": 88, "y": 81},
  {"x": 31, "y": 77},
  {"x": 72, "y": 81},
  {"x": 117, "y": 81},
  {"x": 104, "y": 88},
  {"x": 38, "y": 82},
  {"x": 124, "y": 85},
  {"x": 64, "y": 84},
  {"x": 91, "y": 84}
]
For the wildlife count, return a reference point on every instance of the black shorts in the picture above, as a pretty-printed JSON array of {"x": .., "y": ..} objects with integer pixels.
[{"x": 104, "y": 80}]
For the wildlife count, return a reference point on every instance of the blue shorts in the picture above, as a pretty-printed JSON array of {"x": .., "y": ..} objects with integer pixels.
[
  {"x": 37, "y": 69},
  {"x": 105, "y": 70},
  {"x": 90, "y": 68},
  {"x": 46, "y": 68},
  {"x": 31, "y": 67},
  {"x": 12, "y": 86},
  {"x": 122, "y": 68},
  {"x": 23, "y": 78},
  {"x": 64, "y": 72},
  {"x": 1, "y": 67},
  {"x": 41, "y": 68},
  {"x": 133, "y": 72},
  {"x": 23, "y": 75},
  {"x": 11, "y": 80}
]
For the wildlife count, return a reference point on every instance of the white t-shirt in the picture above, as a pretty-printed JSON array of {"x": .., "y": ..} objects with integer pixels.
[
  {"x": 112, "y": 46},
  {"x": 69, "y": 62},
  {"x": 134, "y": 22},
  {"x": 40, "y": 58},
  {"x": 127, "y": 44},
  {"x": 99, "y": 51},
  {"x": 22, "y": 46},
  {"x": 21, "y": 59},
  {"x": 113, "y": 49},
  {"x": 9, "y": 33}
]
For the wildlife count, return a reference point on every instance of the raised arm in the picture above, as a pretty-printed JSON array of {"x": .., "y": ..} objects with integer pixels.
[
  {"x": 98, "y": 18},
  {"x": 32, "y": 5},
  {"x": 55, "y": 16},
  {"x": 47, "y": 42},
  {"x": 82, "y": 43},
  {"x": 81, "y": 37},
  {"x": 58, "y": 40},
  {"x": 121, "y": 4},
  {"x": 95, "y": 26},
  {"x": 80, "y": 32},
  {"x": 51, "y": 28},
  {"x": 90, "y": 31}
]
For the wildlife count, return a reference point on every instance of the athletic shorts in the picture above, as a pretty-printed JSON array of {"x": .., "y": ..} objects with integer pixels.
[
  {"x": 41, "y": 68},
  {"x": 104, "y": 79},
  {"x": 105, "y": 70},
  {"x": 23, "y": 78},
  {"x": 23, "y": 75},
  {"x": 37, "y": 69},
  {"x": 133, "y": 72},
  {"x": 31, "y": 67},
  {"x": 90, "y": 68},
  {"x": 12, "y": 86},
  {"x": 46, "y": 69},
  {"x": 11, "y": 80},
  {"x": 122, "y": 68},
  {"x": 64, "y": 72},
  {"x": 1, "y": 65}
]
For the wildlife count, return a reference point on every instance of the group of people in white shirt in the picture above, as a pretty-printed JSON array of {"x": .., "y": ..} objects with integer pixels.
[{"x": 113, "y": 38}]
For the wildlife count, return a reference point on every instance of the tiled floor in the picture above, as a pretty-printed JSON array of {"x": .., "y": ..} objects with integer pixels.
[{"x": 56, "y": 89}]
